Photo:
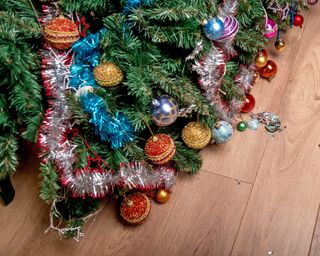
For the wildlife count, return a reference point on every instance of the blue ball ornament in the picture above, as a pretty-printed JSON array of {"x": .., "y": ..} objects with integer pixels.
[
  {"x": 213, "y": 28},
  {"x": 164, "y": 110},
  {"x": 222, "y": 132}
]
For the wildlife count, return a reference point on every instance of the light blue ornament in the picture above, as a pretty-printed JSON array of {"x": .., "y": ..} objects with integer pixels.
[
  {"x": 222, "y": 132},
  {"x": 164, "y": 110},
  {"x": 253, "y": 124},
  {"x": 213, "y": 28}
]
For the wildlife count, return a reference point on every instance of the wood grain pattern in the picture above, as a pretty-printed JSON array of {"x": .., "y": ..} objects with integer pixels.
[
  {"x": 283, "y": 208},
  {"x": 206, "y": 217}
]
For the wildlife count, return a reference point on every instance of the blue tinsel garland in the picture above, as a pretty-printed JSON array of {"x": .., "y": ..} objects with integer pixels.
[{"x": 117, "y": 130}]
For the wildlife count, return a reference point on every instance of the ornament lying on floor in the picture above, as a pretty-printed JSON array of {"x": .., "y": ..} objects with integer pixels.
[
  {"x": 248, "y": 104},
  {"x": 268, "y": 71},
  {"x": 135, "y": 208},
  {"x": 162, "y": 196},
  {"x": 222, "y": 132},
  {"x": 261, "y": 59},
  {"x": 270, "y": 120}
]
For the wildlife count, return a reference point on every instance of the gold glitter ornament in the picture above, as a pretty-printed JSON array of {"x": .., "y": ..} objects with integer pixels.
[
  {"x": 195, "y": 135},
  {"x": 108, "y": 74}
]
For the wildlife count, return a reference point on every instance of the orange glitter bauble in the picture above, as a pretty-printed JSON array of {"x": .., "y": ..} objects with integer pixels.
[
  {"x": 61, "y": 33},
  {"x": 135, "y": 208},
  {"x": 160, "y": 148}
]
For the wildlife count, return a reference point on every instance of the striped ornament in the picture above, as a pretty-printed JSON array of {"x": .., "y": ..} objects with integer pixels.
[
  {"x": 231, "y": 27},
  {"x": 61, "y": 33}
]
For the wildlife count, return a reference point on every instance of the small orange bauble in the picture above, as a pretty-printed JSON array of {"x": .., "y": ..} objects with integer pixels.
[
  {"x": 61, "y": 33},
  {"x": 160, "y": 148},
  {"x": 162, "y": 196},
  {"x": 135, "y": 208},
  {"x": 269, "y": 71},
  {"x": 108, "y": 74}
]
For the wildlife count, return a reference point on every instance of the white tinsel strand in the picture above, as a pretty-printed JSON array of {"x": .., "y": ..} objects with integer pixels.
[
  {"x": 245, "y": 77},
  {"x": 229, "y": 7}
]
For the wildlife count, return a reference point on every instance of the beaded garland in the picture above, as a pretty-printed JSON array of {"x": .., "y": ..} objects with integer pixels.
[
  {"x": 61, "y": 33},
  {"x": 135, "y": 208},
  {"x": 160, "y": 148}
]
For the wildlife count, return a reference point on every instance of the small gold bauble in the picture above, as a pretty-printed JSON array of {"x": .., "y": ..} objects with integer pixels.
[
  {"x": 195, "y": 135},
  {"x": 280, "y": 45},
  {"x": 262, "y": 58},
  {"x": 162, "y": 196},
  {"x": 108, "y": 74}
]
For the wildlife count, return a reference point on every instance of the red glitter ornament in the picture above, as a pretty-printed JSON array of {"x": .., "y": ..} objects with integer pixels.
[
  {"x": 298, "y": 20},
  {"x": 160, "y": 148},
  {"x": 248, "y": 103},
  {"x": 135, "y": 208},
  {"x": 61, "y": 33}
]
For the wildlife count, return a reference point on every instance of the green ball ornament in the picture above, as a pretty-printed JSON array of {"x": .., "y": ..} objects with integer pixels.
[{"x": 242, "y": 126}]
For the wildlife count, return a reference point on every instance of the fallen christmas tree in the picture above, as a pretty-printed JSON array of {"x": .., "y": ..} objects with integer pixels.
[{"x": 136, "y": 88}]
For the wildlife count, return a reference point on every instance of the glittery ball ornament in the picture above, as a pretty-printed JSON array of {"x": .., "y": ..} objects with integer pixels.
[
  {"x": 298, "y": 20},
  {"x": 280, "y": 45},
  {"x": 271, "y": 28},
  {"x": 242, "y": 126},
  {"x": 164, "y": 110},
  {"x": 160, "y": 148},
  {"x": 108, "y": 74},
  {"x": 231, "y": 28},
  {"x": 135, "y": 208},
  {"x": 213, "y": 28},
  {"x": 268, "y": 71},
  {"x": 262, "y": 58},
  {"x": 248, "y": 103},
  {"x": 61, "y": 33},
  {"x": 222, "y": 132},
  {"x": 312, "y": 2},
  {"x": 162, "y": 196},
  {"x": 195, "y": 135}
]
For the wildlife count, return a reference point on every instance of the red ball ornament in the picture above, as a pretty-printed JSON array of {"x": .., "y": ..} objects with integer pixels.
[
  {"x": 298, "y": 20},
  {"x": 135, "y": 208},
  {"x": 160, "y": 148},
  {"x": 269, "y": 71},
  {"x": 312, "y": 2},
  {"x": 61, "y": 33},
  {"x": 248, "y": 103}
]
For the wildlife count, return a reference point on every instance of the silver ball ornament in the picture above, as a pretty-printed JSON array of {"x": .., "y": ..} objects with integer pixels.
[
  {"x": 164, "y": 110},
  {"x": 222, "y": 132}
]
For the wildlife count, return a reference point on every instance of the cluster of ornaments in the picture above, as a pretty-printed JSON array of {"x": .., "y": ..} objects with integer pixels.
[{"x": 266, "y": 68}]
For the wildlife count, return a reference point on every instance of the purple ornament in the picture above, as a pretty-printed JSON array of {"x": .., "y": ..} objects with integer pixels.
[
  {"x": 231, "y": 27},
  {"x": 312, "y": 2},
  {"x": 271, "y": 28}
]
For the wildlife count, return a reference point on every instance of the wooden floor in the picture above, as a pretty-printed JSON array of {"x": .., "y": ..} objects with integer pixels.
[{"x": 273, "y": 210}]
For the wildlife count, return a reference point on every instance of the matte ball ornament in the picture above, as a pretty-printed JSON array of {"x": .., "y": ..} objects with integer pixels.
[
  {"x": 242, "y": 126},
  {"x": 195, "y": 135},
  {"x": 262, "y": 58},
  {"x": 312, "y": 2},
  {"x": 164, "y": 110},
  {"x": 160, "y": 148},
  {"x": 61, "y": 33},
  {"x": 108, "y": 74},
  {"x": 162, "y": 196},
  {"x": 280, "y": 45},
  {"x": 213, "y": 28},
  {"x": 231, "y": 28},
  {"x": 222, "y": 132},
  {"x": 298, "y": 20},
  {"x": 269, "y": 71},
  {"x": 271, "y": 28},
  {"x": 248, "y": 103},
  {"x": 135, "y": 208}
]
